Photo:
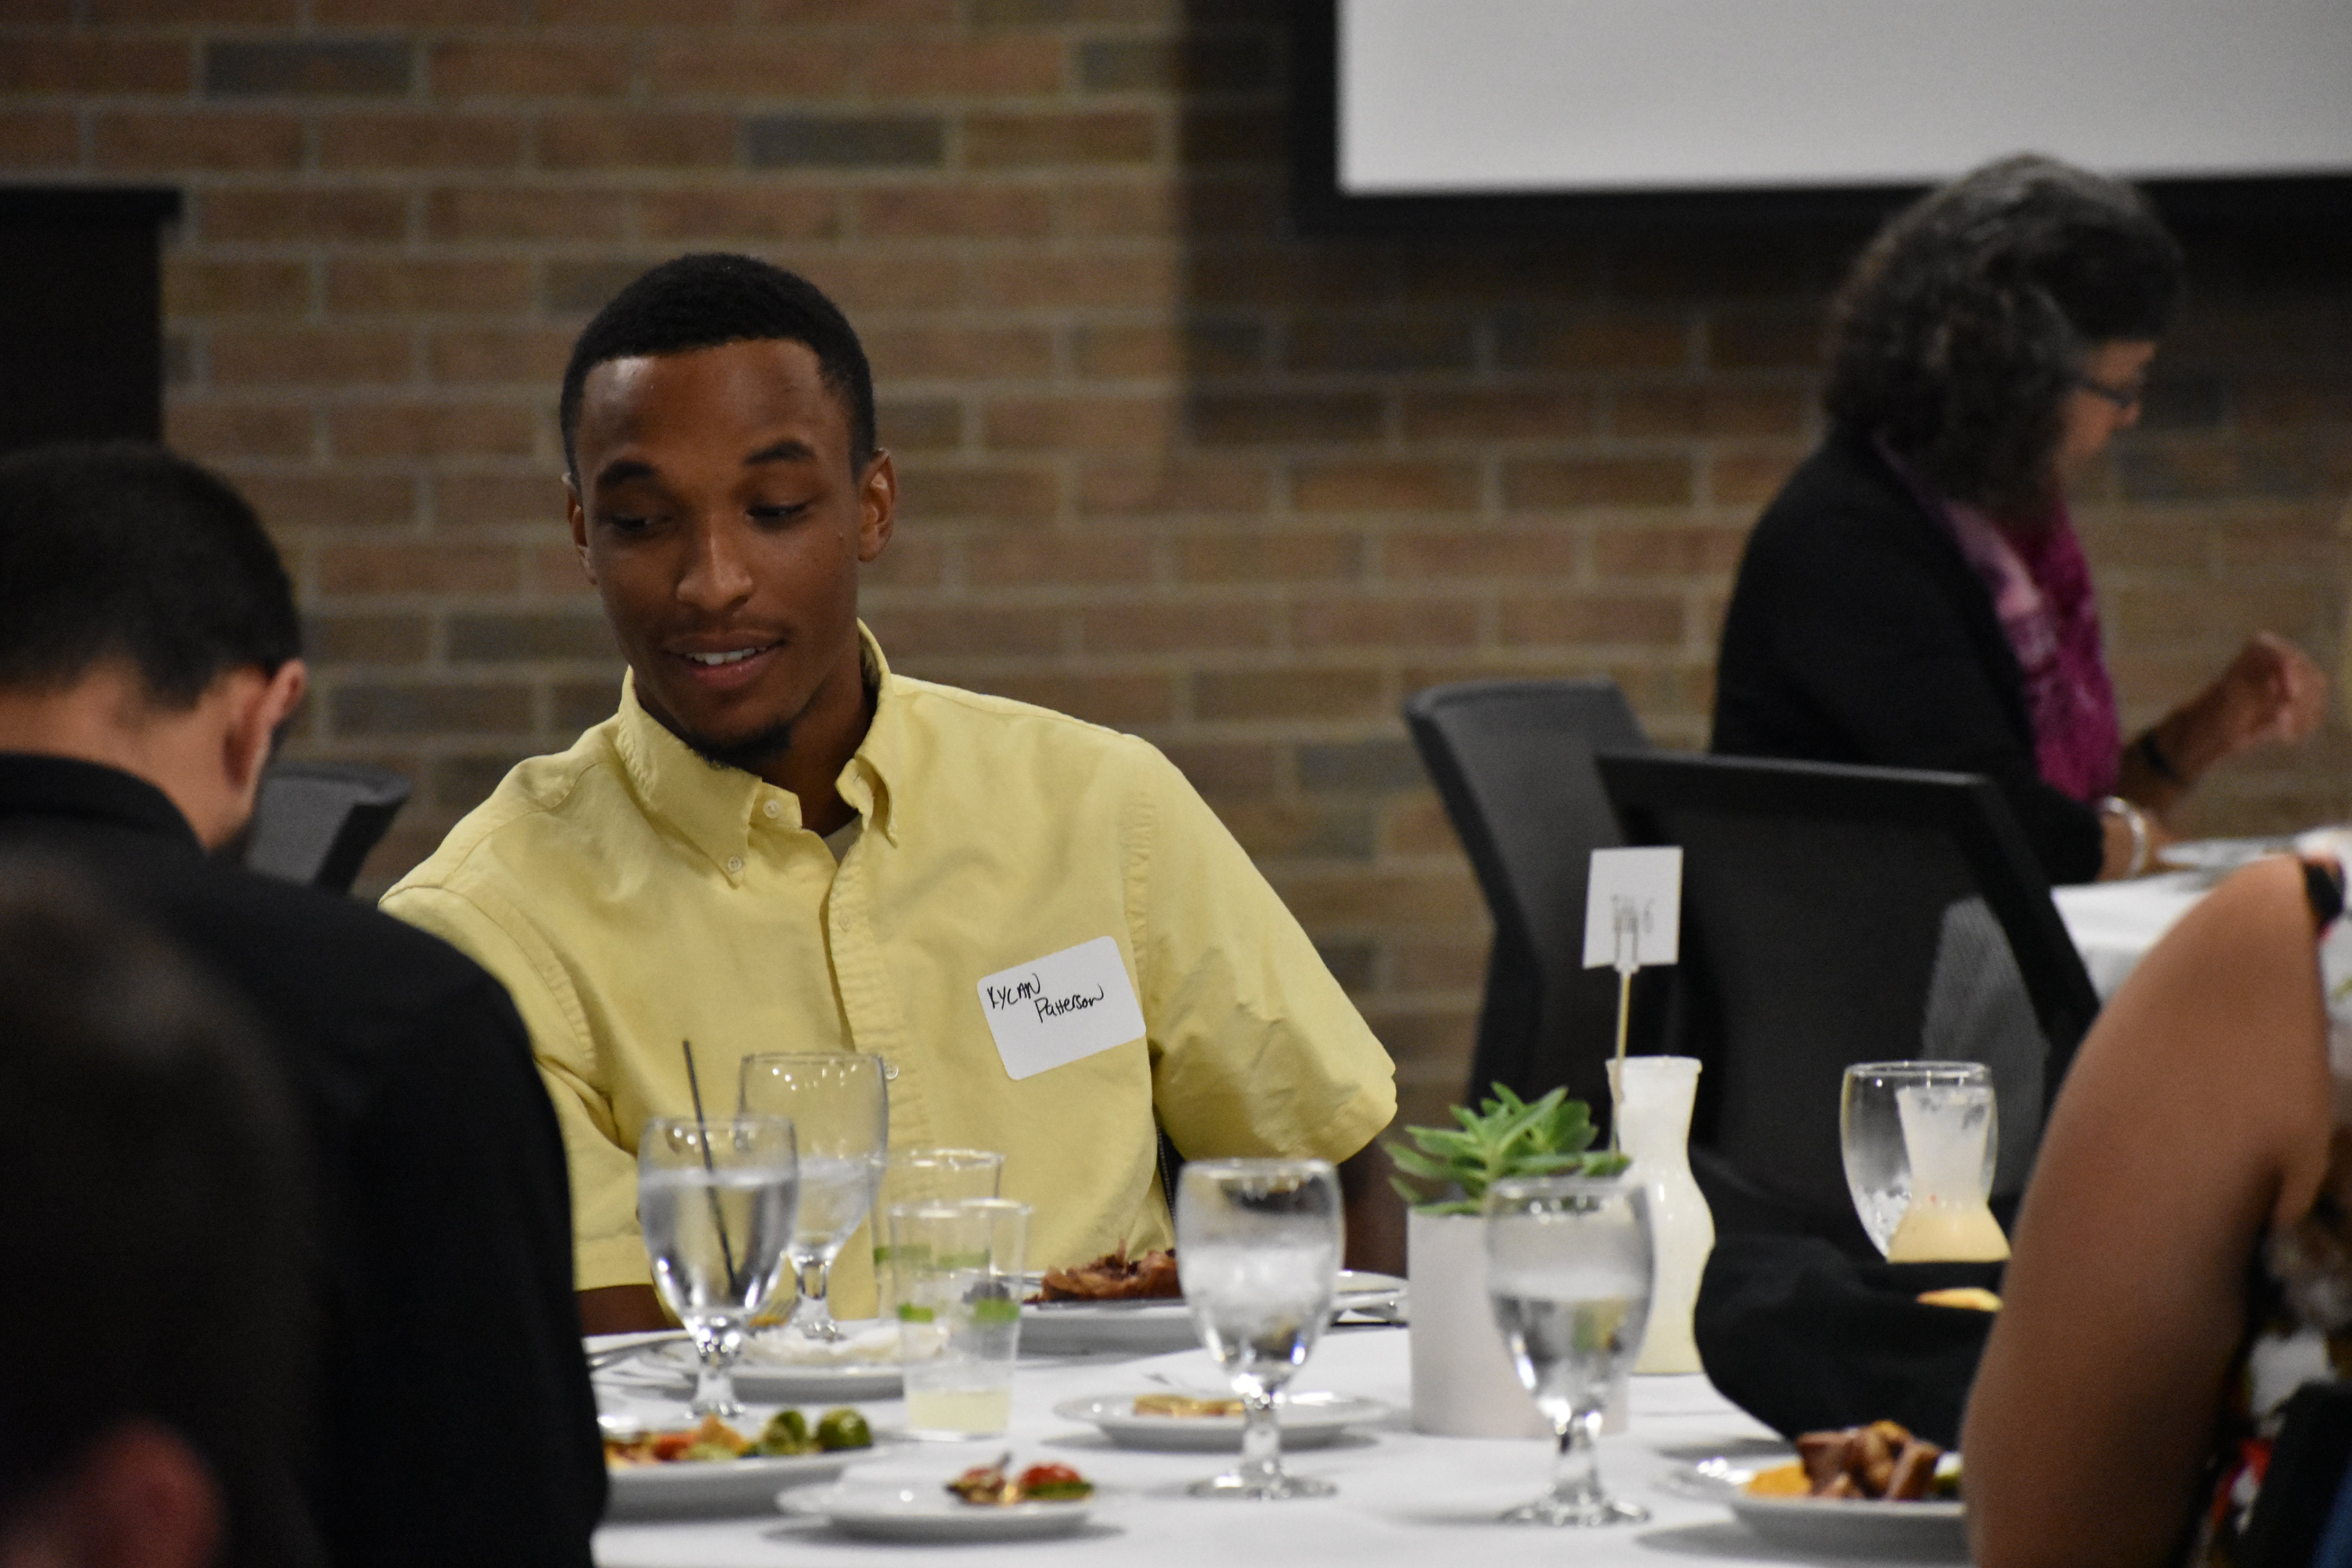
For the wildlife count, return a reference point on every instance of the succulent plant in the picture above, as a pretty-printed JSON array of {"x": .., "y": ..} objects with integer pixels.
[{"x": 1505, "y": 1137}]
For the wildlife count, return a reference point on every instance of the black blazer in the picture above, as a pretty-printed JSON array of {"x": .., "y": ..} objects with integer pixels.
[
  {"x": 453, "y": 1420},
  {"x": 1859, "y": 633}
]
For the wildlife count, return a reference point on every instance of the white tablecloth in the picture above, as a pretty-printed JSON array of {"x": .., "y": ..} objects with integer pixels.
[
  {"x": 2114, "y": 923},
  {"x": 1403, "y": 1499}
]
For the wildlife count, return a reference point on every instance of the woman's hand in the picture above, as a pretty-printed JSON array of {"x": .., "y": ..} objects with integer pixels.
[{"x": 2271, "y": 692}]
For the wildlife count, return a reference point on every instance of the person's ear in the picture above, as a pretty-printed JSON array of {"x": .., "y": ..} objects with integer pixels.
[
  {"x": 877, "y": 507},
  {"x": 260, "y": 704},
  {"x": 576, "y": 515},
  {"x": 141, "y": 1498}
]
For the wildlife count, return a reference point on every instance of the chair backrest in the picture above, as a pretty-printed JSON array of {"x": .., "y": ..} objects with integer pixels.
[
  {"x": 1834, "y": 915},
  {"x": 1512, "y": 761},
  {"x": 314, "y": 822}
]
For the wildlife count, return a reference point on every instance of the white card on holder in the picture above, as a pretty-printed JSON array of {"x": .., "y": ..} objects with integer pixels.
[
  {"x": 1055, "y": 1009},
  {"x": 1640, "y": 893}
]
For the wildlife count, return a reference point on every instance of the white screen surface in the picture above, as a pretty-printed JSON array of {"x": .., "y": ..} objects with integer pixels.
[{"x": 1445, "y": 97}]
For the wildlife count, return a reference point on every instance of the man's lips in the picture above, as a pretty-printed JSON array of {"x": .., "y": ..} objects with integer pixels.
[{"x": 724, "y": 665}]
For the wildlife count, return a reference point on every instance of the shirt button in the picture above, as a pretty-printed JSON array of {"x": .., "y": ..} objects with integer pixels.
[
  {"x": 734, "y": 864},
  {"x": 774, "y": 808}
]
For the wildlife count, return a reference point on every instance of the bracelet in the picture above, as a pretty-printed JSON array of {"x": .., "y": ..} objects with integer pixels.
[
  {"x": 2136, "y": 821},
  {"x": 2158, "y": 763}
]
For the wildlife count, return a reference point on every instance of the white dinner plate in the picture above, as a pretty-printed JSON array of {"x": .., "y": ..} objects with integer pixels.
[
  {"x": 877, "y": 1512},
  {"x": 1062, "y": 1327},
  {"x": 711, "y": 1488},
  {"x": 1852, "y": 1527},
  {"x": 1307, "y": 1421},
  {"x": 2218, "y": 854},
  {"x": 765, "y": 1380}
]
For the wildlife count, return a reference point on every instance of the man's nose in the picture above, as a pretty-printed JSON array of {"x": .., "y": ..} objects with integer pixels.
[{"x": 716, "y": 574}]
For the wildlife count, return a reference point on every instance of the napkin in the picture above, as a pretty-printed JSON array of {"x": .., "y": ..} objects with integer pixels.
[{"x": 1806, "y": 1338}]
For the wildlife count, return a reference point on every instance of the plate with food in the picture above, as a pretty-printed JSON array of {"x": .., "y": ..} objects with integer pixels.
[
  {"x": 717, "y": 1468},
  {"x": 1136, "y": 1305},
  {"x": 1874, "y": 1489},
  {"x": 988, "y": 1502},
  {"x": 1208, "y": 1423}
]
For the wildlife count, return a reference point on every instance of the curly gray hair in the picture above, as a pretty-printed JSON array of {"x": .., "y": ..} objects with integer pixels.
[{"x": 1961, "y": 328}]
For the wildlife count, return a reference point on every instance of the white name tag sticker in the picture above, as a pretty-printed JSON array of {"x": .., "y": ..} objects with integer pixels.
[
  {"x": 1633, "y": 908},
  {"x": 1055, "y": 1009}
]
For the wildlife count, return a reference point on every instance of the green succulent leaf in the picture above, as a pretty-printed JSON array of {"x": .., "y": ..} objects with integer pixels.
[{"x": 1507, "y": 1136}]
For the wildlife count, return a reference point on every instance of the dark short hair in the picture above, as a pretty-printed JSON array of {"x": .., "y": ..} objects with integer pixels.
[
  {"x": 703, "y": 301},
  {"x": 128, "y": 551},
  {"x": 1959, "y": 334},
  {"x": 153, "y": 1199}
]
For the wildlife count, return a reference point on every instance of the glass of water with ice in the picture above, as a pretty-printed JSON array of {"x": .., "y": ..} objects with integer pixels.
[
  {"x": 1568, "y": 1271},
  {"x": 716, "y": 1201},
  {"x": 1258, "y": 1250},
  {"x": 840, "y": 1105}
]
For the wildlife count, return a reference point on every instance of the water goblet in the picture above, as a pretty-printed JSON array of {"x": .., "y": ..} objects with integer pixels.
[
  {"x": 716, "y": 1201},
  {"x": 1568, "y": 1271},
  {"x": 1871, "y": 1131},
  {"x": 840, "y": 1106},
  {"x": 1257, "y": 1249}
]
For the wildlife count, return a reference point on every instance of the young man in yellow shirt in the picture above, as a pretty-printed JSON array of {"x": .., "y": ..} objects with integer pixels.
[{"x": 778, "y": 844}]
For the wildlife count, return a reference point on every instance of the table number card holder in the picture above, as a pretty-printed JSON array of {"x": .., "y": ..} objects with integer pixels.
[{"x": 1632, "y": 918}]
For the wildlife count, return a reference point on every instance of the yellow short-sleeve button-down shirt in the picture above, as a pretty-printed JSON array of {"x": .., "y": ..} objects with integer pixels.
[{"x": 631, "y": 895}]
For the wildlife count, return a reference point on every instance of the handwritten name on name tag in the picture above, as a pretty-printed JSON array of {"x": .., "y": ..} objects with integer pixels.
[{"x": 1060, "y": 1007}]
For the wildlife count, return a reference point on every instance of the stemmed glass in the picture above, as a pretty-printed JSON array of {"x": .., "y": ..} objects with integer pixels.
[
  {"x": 1258, "y": 1250},
  {"x": 1872, "y": 1134},
  {"x": 840, "y": 1106},
  {"x": 715, "y": 1201},
  {"x": 1568, "y": 1270}
]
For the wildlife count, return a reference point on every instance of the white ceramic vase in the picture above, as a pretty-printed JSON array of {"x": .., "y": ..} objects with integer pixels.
[
  {"x": 1464, "y": 1384},
  {"x": 1654, "y": 1112}
]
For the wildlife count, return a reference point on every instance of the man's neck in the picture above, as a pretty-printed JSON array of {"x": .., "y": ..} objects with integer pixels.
[
  {"x": 105, "y": 718},
  {"x": 825, "y": 737}
]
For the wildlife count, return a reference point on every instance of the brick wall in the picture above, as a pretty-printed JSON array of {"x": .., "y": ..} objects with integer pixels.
[{"x": 1164, "y": 466}]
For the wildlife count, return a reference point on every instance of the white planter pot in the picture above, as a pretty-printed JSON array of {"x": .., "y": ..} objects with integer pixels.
[{"x": 1463, "y": 1382}]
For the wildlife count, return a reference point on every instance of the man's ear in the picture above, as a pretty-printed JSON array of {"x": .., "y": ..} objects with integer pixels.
[
  {"x": 576, "y": 515},
  {"x": 141, "y": 1498},
  {"x": 258, "y": 706},
  {"x": 877, "y": 507}
]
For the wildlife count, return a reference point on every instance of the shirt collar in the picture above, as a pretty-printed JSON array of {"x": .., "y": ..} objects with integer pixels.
[
  {"x": 712, "y": 806},
  {"x": 38, "y": 783}
]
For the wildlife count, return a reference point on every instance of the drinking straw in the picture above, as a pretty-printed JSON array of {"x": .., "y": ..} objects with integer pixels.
[{"x": 718, "y": 1215}]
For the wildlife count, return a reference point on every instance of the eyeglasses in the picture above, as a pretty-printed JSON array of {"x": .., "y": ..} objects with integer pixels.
[{"x": 2124, "y": 397}]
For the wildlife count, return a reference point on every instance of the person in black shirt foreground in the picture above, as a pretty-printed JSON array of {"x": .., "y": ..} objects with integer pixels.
[
  {"x": 147, "y": 654},
  {"x": 149, "y": 1197}
]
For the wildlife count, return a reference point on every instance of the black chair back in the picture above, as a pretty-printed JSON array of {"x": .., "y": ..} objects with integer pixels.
[
  {"x": 1834, "y": 915},
  {"x": 314, "y": 822},
  {"x": 1512, "y": 761}
]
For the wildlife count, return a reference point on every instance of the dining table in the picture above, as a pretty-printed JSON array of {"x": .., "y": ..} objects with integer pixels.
[
  {"x": 1403, "y": 1497},
  {"x": 2114, "y": 924}
]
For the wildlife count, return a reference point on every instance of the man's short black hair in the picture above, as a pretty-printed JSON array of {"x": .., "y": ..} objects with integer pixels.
[
  {"x": 131, "y": 552},
  {"x": 703, "y": 301}
]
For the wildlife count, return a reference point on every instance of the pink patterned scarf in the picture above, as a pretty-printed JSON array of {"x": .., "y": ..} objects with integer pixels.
[{"x": 2041, "y": 588}]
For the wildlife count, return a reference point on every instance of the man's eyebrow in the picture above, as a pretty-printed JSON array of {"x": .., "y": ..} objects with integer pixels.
[
  {"x": 622, "y": 469},
  {"x": 784, "y": 451}
]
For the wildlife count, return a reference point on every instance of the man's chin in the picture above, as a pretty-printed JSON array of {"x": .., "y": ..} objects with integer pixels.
[{"x": 752, "y": 753}]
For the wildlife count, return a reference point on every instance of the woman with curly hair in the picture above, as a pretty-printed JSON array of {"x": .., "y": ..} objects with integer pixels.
[{"x": 1916, "y": 596}]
